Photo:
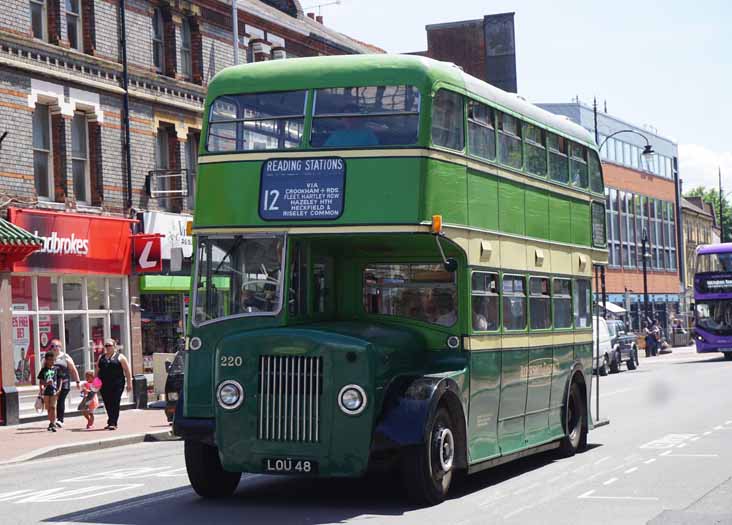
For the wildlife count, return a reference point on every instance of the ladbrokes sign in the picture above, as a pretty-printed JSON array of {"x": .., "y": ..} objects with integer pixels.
[{"x": 75, "y": 243}]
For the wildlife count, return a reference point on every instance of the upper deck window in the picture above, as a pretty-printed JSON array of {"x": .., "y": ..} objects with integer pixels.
[
  {"x": 256, "y": 121},
  {"x": 481, "y": 131},
  {"x": 535, "y": 140},
  {"x": 558, "y": 158},
  {"x": 578, "y": 165},
  {"x": 714, "y": 262},
  {"x": 365, "y": 116},
  {"x": 447, "y": 120}
]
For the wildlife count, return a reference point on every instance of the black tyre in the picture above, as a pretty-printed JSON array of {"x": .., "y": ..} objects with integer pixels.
[
  {"x": 615, "y": 363},
  {"x": 605, "y": 366},
  {"x": 428, "y": 469},
  {"x": 728, "y": 356},
  {"x": 208, "y": 478},
  {"x": 575, "y": 423},
  {"x": 632, "y": 364}
]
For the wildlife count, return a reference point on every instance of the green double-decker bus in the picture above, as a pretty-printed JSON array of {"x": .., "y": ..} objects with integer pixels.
[{"x": 393, "y": 267}]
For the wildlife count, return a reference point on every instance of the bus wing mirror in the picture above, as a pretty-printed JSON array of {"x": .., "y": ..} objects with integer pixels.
[{"x": 450, "y": 264}]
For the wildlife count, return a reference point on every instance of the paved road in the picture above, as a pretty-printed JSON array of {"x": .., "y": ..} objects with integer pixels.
[{"x": 665, "y": 457}]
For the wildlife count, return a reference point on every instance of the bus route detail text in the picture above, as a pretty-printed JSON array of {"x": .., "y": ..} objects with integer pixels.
[{"x": 302, "y": 189}]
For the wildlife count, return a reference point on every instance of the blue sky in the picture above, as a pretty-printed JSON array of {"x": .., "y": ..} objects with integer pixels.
[{"x": 667, "y": 64}]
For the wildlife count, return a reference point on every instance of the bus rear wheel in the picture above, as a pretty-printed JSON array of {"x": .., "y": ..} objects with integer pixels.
[
  {"x": 427, "y": 469},
  {"x": 208, "y": 478},
  {"x": 575, "y": 418}
]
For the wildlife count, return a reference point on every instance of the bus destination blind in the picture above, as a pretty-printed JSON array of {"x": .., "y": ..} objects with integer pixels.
[{"x": 302, "y": 189}]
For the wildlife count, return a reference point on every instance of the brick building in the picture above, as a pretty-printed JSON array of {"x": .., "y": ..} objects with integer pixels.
[
  {"x": 642, "y": 194},
  {"x": 64, "y": 173}
]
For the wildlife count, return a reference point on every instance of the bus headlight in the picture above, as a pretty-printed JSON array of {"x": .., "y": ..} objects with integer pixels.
[
  {"x": 230, "y": 395},
  {"x": 352, "y": 400}
]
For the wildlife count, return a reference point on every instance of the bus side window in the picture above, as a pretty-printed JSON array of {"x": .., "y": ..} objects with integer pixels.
[
  {"x": 485, "y": 300},
  {"x": 448, "y": 120},
  {"x": 539, "y": 306},
  {"x": 582, "y": 303},
  {"x": 562, "y": 300},
  {"x": 514, "y": 302}
]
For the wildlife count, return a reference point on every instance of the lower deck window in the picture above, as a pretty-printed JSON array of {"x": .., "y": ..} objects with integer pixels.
[
  {"x": 485, "y": 301},
  {"x": 424, "y": 292},
  {"x": 514, "y": 302},
  {"x": 541, "y": 314}
]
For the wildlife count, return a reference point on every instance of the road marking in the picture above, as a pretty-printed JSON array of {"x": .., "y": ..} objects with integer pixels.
[
  {"x": 513, "y": 513},
  {"x": 88, "y": 516},
  {"x": 681, "y": 446},
  {"x": 718, "y": 427},
  {"x": 610, "y": 481},
  {"x": 697, "y": 438},
  {"x": 63, "y": 494},
  {"x": 707, "y": 432},
  {"x": 586, "y": 494},
  {"x": 665, "y": 453},
  {"x": 630, "y": 470},
  {"x": 667, "y": 441},
  {"x": 694, "y": 456},
  {"x": 602, "y": 460},
  {"x": 626, "y": 498},
  {"x": 728, "y": 422},
  {"x": 649, "y": 461}
]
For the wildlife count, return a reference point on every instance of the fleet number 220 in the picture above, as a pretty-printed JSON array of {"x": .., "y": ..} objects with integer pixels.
[{"x": 231, "y": 360}]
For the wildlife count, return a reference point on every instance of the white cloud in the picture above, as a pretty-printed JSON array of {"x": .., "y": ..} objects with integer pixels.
[{"x": 699, "y": 166}]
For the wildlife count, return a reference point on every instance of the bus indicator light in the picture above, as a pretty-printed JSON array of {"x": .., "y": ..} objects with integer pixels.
[{"x": 436, "y": 224}]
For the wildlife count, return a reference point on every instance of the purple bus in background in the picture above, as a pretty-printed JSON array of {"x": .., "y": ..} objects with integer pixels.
[{"x": 713, "y": 299}]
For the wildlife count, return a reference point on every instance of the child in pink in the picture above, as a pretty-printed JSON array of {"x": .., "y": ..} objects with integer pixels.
[{"x": 91, "y": 400}]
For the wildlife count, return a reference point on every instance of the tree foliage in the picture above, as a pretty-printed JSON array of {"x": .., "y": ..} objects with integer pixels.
[{"x": 712, "y": 196}]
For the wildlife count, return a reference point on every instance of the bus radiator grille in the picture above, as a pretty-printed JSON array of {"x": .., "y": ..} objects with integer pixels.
[{"x": 289, "y": 398}]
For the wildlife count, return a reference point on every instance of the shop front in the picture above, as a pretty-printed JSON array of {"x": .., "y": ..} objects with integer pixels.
[
  {"x": 164, "y": 297},
  {"x": 74, "y": 288}
]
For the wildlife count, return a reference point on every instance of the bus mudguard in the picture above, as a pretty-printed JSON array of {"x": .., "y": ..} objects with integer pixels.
[
  {"x": 409, "y": 406},
  {"x": 192, "y": 429}
]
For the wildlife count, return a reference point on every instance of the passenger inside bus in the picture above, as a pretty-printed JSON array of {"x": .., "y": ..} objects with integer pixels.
[{"x": 353, "y": 131}]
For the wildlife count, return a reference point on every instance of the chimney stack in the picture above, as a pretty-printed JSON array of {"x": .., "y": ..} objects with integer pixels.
[
  {"x": 319, "y": 19},
  {"x": 311, "y": 15}
]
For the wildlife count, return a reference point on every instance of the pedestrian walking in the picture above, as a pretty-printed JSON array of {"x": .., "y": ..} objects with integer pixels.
[
  {"x": 89, "y": 401},
  {"x": 68, "y": 371},
  {"x": 113, "y": 369},
  {"x": 49, "y": 381}
]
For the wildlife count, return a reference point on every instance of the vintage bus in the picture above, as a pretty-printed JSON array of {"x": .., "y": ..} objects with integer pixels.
[
  {"x": 713, "y": 299},
  {"x": 393, "y": 266}
]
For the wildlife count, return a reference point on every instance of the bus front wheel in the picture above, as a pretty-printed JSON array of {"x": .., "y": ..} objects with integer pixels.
[
  {"x": 208, "y": 478},
  {"x": 427, "y": 469},
  {"x": 575, "y": 417}
]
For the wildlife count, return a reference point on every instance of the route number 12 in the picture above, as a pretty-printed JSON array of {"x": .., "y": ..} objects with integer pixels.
[{"x": 270, "y": 200}]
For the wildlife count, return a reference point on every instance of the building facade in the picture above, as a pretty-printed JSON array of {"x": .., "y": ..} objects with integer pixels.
[
  {"x": 700, "y": 227},
  {"x": 68, "y": 103},
  {"x": 642, "y": 196}
]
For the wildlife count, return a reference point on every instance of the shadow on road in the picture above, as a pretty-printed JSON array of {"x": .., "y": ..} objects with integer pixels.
[{"x": 281, "y": 500}]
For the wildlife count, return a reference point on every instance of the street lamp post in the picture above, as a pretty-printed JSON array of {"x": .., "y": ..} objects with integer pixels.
[{"x": 646, "y": 256}]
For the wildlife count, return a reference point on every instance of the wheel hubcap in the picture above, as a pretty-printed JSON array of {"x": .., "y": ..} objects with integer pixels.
[{"x": 445, "y": 448}]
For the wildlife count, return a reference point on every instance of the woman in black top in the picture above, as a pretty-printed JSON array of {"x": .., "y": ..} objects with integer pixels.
[{"x": 113, "y": 369}]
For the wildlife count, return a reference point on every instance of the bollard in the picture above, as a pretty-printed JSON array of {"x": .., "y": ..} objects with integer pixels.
[{"x": 139, "y": 390}]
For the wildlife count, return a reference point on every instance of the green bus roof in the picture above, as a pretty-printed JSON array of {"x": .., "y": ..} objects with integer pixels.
[{"x": 383, "y": 69}]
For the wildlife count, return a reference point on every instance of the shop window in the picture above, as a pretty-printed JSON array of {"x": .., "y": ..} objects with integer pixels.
[
  {"x": 72, "y": 292},
  {"x": 116, "y": 293},
  {"x": 48, "y": 293},
  {"x": 42, "y": 152},
  {"x": 95, "y": 293},
  {"x": 74, "y": 24},
  {"x": 80, "y": 158}
]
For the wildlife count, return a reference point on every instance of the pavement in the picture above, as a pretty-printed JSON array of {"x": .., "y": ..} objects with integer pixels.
[
  {"x": 664, "y": 459},
  {"x": 29, "y": 441}
]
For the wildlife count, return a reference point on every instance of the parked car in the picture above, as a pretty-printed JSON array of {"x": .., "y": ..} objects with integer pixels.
[
  {"x": 602, "y": 363},
  {"x": 620, "y": 348},
  {"x": 173, "y": 385}
]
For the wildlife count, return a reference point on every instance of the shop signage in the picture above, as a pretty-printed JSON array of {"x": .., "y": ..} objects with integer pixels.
[
  {"x": 148, "y": 253},
  {"x": 173, "y": 228},
  {"x": 75, "y": 243}
]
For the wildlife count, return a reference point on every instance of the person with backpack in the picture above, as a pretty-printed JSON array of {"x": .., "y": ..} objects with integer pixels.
[{"x": 49, "y": 380}]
